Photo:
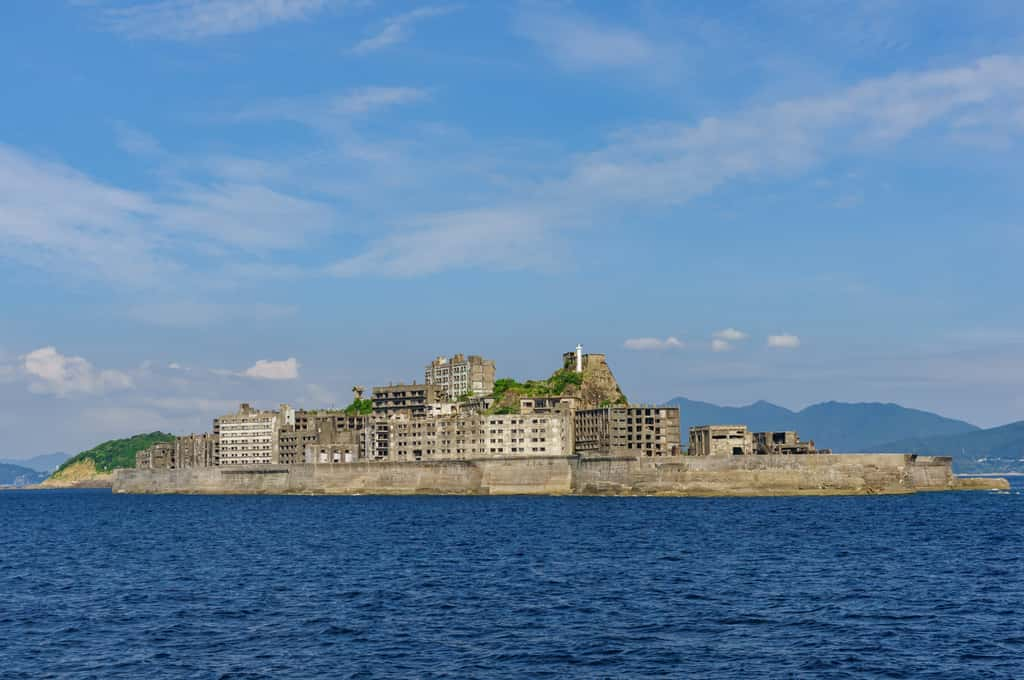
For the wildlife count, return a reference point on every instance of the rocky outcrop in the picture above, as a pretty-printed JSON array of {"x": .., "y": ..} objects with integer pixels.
[
  {"x": 598, "y": 387},
  {"x": 78, "y": 475}
]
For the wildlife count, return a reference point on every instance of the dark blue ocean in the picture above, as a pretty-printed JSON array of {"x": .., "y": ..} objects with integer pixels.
[{"x": 101, "y": 586}]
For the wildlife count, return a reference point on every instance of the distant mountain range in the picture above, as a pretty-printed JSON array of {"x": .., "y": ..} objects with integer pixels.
[
  {"x": 17, "y": 475},
  {"x": 999, "y": 449},
  {"x": 874, "y": 427},
  {"x": 47, "y": 462}
]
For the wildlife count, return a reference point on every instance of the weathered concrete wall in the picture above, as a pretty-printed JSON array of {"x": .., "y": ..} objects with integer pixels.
[
  {"x": 491, "y": 476},
  {"x": 767, "y": 475},
  {"x": 677, "y": 476}
]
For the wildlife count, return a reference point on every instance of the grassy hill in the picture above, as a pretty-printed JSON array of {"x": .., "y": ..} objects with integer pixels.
[{"x": 113, "y": 454}]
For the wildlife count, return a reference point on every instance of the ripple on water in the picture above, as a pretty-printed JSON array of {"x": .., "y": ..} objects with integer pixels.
[{"x": 98, "y": 585}]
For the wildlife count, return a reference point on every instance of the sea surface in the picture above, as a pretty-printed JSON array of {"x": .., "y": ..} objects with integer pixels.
[{"x": 94, "y": 585}]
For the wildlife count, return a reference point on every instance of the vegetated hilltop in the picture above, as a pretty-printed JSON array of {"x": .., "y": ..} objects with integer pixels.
[
  {"x": 998, "y": 449},
  {"x": 595, "y": 387},
  {"x": 842, "y": 427},
  {"x": 94, "y": 467}
]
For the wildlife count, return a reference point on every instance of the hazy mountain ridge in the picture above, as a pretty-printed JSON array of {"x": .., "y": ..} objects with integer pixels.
[
  {"x": 48, "y": 462},
  {"x": 997, "y": 449},
  {"x": 18, "y": 475},
  {"x": 842, "y": 427}
]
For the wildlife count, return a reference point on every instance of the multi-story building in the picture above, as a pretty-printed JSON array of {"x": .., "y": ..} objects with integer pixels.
[
  {"x": 720, "y": 440},
  {"x": 251, "y": 436},
  {"x": 194, "y": 450},
  {"x": 471, "y": 435},
  {"x": 628, "y": 430},
  {"x": 413, "y": 399},
  {"x": 157, "y": 456},
  {"x": 323, "y": 437},
  {"x": 460, "y": 376}
]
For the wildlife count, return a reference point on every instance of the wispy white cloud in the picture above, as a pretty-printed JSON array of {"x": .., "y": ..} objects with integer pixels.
[
  {"x": 135, "y": 141},
  {"x": 578, "y": 43},
  {"x": 51, "y": 372},
  {"x": 265, "y": 369},
  {"x": 493, "y": 239},
  {"x": 398, "y": 29},
  {"x": 103, "y": 231},
  {"x": 196, "y": 314},
  {"x": 784, "y": 341},
  {"x": 197, "y": 19},
  {"x": 667, "y": 164},
  {"x": 720, "y": 345},
  {"x": 672, "y": 163},
  {"x": 369, "y": 99},
  {"x": 648, "y": 344}
]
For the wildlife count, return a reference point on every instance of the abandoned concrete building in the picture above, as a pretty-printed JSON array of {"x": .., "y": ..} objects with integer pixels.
[
  {"x": 195, "y": 450},
  {"x": 628, "y": 430},
  {"x": 459, "y": 376},
  {"x": 397, "y": 398},
  {"x": 720, "y": 440},
  {"x": 470, "y": 435},
  {"x": 322, "y": 436},
  {"x": 157, "y": 456},
  {"x": 737, "y": 440},
  {"x": 250, "y": 437},
  {"x": 783, "y": 443}
]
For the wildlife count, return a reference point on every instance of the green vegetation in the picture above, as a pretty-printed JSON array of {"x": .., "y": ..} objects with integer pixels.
[
  {"x": 507, "y": 390},
  {"x": 117, "y": 453},
  {"x": 359, "y": 407},
  {"x": 552, "y": 387}
]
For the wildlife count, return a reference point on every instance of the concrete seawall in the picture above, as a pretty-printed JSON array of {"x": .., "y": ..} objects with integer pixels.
[{"x": 676, "y": 476}]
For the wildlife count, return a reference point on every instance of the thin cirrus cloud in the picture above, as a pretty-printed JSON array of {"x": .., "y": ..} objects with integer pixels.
[
  {"x": 399, "y": 29},
  {"x": 108, "y": 231},
  {"x": 103, "y": 231},
  {"x": 784, "y": 341},
  {"x": 669, "y": 164},
  {"x": 653, "y": 344},
  {"x": 198, "y": 19},
  {"x": 578, "y": 43}
]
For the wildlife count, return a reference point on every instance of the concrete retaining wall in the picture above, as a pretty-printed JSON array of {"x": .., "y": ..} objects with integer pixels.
[{"x": 678, "y": 476}]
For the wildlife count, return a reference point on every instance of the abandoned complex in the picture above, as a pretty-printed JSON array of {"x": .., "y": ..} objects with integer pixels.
[{"x": 456, "y": 414}]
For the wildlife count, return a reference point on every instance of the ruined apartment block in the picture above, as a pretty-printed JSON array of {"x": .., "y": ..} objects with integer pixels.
[
  {"x": 414, "y": 399},
  {"x": 251, "y": 436},
  {"x": 471, "y": 435},
  {"x": 737, "y": 440},
  {"x": 628, "y": 430},
  {"x": 460, "y": 376}
]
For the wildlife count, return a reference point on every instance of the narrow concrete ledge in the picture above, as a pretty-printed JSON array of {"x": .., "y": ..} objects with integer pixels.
[{"x": 981, "y": 484}]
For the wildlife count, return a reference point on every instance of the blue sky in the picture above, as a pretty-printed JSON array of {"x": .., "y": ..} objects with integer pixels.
[{"x": 272, "y": 200}]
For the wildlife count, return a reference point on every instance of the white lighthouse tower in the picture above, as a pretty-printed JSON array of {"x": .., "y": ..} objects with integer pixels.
[{"x": 579, "y": 358}]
